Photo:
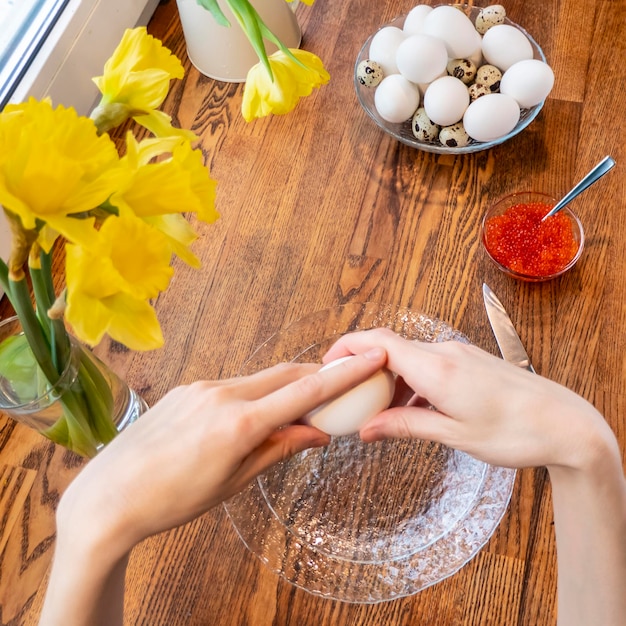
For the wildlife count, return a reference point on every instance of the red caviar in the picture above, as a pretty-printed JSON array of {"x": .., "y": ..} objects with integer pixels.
[{"x": 520, "y": 241}]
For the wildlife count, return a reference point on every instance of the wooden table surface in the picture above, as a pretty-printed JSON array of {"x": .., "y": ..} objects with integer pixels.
[{"x": 320, "y": 208}]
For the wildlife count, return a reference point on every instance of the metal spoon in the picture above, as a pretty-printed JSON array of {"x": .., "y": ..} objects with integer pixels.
[{"x": 594, "y": 175}]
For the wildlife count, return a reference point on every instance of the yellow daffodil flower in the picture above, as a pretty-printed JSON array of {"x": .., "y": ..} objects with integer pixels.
[
  {"x": 159, "y": 192},
  {"x": 53, "y": 165},
  {"x": 135, "y": 83},
  {"x": 293, "y": 78},
  {"x": 109, "y": 284}
]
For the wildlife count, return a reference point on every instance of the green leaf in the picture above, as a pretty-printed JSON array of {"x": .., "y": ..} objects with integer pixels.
[
  {"x": 18, "y": 365},
  {"x": 252, "y": 24},
  {"x": 216, "y": 11}
]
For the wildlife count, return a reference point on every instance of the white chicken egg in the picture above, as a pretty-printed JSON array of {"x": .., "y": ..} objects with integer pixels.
[
  {"x": 383, "y": 48},
  {"x": 445, "y": 100},
  {"x": 503, "y": 45},
  {"x": 346, "y": 414},
  {"x": 528, "y": 81},
  {"x": 414, "y": 21},
  {"x": 491, "y": 116},
  {"x": 396, "y": 98},
  {"x": 455, "y": 29},
  {"x": 421, "y": 58}
]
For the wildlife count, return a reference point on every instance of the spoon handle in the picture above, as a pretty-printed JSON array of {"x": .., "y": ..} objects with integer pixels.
[{"x": 595, "y": 174}]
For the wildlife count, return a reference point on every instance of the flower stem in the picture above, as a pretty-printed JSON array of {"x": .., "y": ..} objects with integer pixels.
[{"x": 37, "y": 340}]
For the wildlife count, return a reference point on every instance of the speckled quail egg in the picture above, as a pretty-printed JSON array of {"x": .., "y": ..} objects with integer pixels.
[
  {"x": 454, "y": 136},
  {"x": 489, "y": 76},
  {"x": 369, "y": 73},
  {"x": 463, "y": 69},
  {"x": 490, "y": 16},
  {"x": 477, "y": 90},
  {"x": 423, "y": 127}
]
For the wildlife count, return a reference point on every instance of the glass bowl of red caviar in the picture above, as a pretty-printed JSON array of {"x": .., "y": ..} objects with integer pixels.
[{"x": 527, "y": 248}]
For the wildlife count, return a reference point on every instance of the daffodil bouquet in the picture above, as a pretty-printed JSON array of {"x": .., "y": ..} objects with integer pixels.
[
  {"x": 114, "y": 213},
  {"x": 276, "y": 84}
]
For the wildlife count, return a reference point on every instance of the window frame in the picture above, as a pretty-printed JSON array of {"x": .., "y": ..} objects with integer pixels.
[{"x": 81, "y": 40}]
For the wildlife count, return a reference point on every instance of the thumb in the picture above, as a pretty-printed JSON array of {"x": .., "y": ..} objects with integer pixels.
[{"x": 406, "y": 422}]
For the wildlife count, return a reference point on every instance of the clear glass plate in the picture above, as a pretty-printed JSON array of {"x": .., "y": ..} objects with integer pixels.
[
  {"x": 367, "y": 523},
  {"x": 403, "y": 133}
]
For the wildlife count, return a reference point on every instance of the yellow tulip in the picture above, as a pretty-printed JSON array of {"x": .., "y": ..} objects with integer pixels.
[
  {"x": 295, "y": 75},
  {"x": 109, "y": 284}
]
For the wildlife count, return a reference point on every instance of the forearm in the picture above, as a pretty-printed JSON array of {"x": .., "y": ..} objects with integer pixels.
[
  {"x": 590, "y": 523},
  {"x": 93, "y": 543},
  {"x": 86, "y": 586}
]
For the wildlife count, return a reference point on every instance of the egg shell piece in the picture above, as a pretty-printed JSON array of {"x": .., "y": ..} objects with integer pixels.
[
  {"x": 491, "y": 116},
  {"x": 421, "y": 58},
  {"x": 396, "y": 98},
  {"x": 445, "y": 100},
  {"x": 455, "y": 29},
  {"x": 383, "y": 48},
  {"x": 345, "y": 414},
  {"x": 529, "y": 82},
  {"x": 504, "y": 45},
  {"x": 414, "y": 21}
]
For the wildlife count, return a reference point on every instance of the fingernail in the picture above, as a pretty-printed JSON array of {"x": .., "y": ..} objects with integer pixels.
[
  {"x": 374, "y": 354},
  {"x": 371, "y": 435}
]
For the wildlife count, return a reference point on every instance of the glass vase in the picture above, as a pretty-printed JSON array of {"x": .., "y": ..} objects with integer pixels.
[
  {"x": 225, "y": 53},
  {"x": 82, "y": 410}
]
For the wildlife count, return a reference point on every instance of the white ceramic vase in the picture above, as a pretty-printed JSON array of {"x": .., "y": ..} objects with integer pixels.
[{"x": 224, "y": 53}]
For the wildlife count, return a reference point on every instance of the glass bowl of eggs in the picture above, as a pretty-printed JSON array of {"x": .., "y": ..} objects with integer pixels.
[
  {"x": 527, "y": 247},
  {"x": 452, "y": 79}
]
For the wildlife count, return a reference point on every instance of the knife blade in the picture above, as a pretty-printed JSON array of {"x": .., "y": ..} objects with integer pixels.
[{"x": 507, "y": 338}]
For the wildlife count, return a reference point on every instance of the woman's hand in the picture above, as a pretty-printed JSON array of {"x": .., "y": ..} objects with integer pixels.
[
  {"x": 202, "y": 443},
  {"x": 508, "y": 416},
  {"x": 199, "y": 445},
  {"x": 494, "y": 411}
]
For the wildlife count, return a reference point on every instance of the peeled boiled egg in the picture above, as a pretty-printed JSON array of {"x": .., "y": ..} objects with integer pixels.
[
  {"x": 491, "y": 116},
  {"x": 455, "y": 29},
  {"x": 346, "y": 414},
  {"x": 421, "y": 58},
  {"x": 396, "y": 98},
  {"x": 528, "y": 81},
  {"x": 503, "y": 45},
  {"x": 383, "y": 48},
  {"x": 445, "y": 100}
]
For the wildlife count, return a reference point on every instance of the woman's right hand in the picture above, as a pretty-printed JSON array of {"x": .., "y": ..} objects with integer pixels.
[{"x": 495, "y": 411}]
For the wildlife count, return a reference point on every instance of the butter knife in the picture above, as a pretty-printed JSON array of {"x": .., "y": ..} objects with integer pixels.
[{"x": 506, "y": 336}]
